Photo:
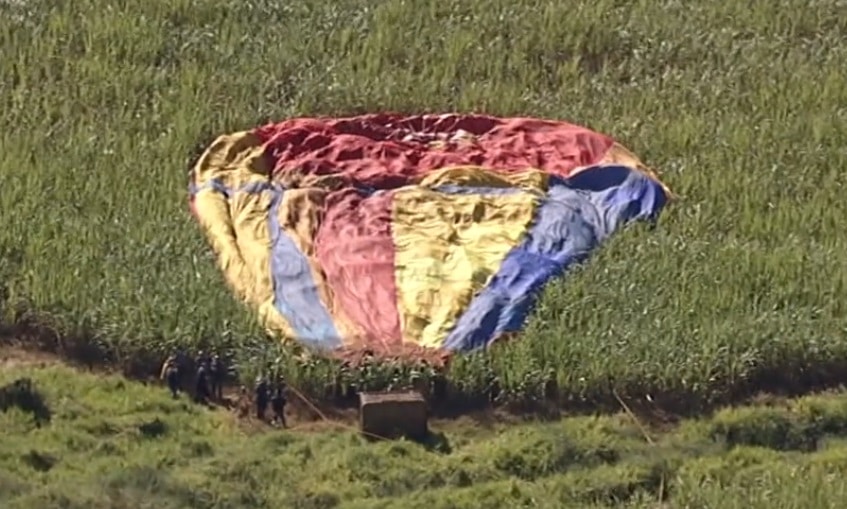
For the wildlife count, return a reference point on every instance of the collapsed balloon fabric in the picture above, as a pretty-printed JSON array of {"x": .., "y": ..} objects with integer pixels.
[{"x": 383, "y": 230}]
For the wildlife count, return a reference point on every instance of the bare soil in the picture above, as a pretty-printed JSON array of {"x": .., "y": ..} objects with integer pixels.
[{"x": 12, "y": 357}]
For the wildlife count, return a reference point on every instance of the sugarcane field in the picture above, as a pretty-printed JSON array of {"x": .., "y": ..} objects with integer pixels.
[{"x": 443, "y": 255}]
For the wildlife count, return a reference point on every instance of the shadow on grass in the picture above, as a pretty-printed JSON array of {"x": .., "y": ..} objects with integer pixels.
[
  {"x": 436, "y": 442},
  {"x": 39, "y": 462},
  {"x": 22, "y": 394},
  {"x": 153, "y": 429}
]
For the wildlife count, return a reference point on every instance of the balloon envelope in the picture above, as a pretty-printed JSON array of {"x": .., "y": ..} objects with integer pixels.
[{"x": 388, "y": 230}]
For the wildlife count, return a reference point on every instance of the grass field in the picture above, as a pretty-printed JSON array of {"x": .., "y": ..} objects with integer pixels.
[
  {"x": 741, "y": 105},
  {"x": 112, "y": 442}
]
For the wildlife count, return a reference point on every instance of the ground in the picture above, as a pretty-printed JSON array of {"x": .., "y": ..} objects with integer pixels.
[
  {"x": 114, "y": 442},
  {"x": 740, "y": 106}
]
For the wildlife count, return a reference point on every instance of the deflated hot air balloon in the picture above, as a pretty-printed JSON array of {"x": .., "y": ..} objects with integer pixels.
[{"x": 388, "y": 230}]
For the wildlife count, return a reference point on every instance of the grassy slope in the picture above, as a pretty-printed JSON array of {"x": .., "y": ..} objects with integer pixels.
[
  {"x": 741, "y": 104},
  {"x": 204, "y": 459}
]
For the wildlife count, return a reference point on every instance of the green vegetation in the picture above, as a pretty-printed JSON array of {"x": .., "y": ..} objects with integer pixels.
[
  {"x": 112, "y": 442},
  {"x": 741, "y": 105}
]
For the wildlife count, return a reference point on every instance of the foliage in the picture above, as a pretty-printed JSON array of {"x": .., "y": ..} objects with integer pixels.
[
  {"x": 99, "y": 451},
  {"x": 740, "y": 105}
]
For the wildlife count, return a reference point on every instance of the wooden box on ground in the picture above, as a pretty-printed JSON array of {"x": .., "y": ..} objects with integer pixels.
[{"x": 393, "y": 414}]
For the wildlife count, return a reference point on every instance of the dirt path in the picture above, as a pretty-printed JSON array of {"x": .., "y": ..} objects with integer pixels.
[{"x": 11, "y": 357}]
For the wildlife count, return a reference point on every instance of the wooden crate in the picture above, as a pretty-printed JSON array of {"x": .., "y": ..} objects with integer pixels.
[{"x": 393, "y": 414}]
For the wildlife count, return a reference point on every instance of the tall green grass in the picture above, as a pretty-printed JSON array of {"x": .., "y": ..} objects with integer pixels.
[{"x": 740, "y": 105}]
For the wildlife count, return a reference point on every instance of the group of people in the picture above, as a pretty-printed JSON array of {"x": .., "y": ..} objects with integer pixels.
[
  {"x": 342, "y": 382},
  {"x": 268, "y": 394},
  {"x": 209, "y": 377},
  {"x": 210, "y": 374}
]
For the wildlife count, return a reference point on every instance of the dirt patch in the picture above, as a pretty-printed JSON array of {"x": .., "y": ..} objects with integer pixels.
[{"x": 14, "y": 357}]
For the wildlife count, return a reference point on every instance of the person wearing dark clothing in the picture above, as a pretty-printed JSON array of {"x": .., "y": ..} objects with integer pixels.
[
  {"x": 173, "y": 381},
  {"x": 551, "y": 386},
  {"x": 493, "y": 386},
  {"x": 170, "y": 373},
  {"x": 201, "y": 391},
  {"x": 439, "y": 385},
  {"x": 217, "y": 375},
  {"x": 278, "y": 406},
  {"x": 262, "y": 397},
  {"x": 183, "y": 366},
  {"x": 202, "y": 358},
  {"x": 494, "y": 389}
]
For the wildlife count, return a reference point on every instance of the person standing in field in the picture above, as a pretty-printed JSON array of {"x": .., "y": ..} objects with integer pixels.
[
  {"x": 439, "y": 384},
  {"x": 201, "y": 390},
  {"x": 278, "y": 402},
  {"x": 183, "y": 366},
  {"x": 202, "y": 359},
  {"x": 243, "y": 403},
  {"x": 262, "y": 397},
  {"x": 493, "y": 387},
  {"x": 551, "y": 386},
  {"x": 217, "y": 374},
  {"x": 170, "y": 373}
]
